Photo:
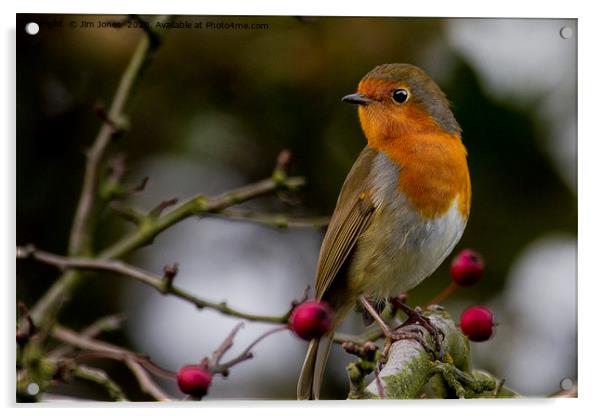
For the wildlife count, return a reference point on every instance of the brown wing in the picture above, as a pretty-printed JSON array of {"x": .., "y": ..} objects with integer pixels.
[{"x": 351, "y": 217}]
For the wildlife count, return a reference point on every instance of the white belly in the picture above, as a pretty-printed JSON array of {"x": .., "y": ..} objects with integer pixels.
[{"x": 410, "y": 249}]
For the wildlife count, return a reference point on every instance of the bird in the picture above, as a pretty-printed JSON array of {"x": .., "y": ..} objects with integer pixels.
[{"x": 402, "y": 208}]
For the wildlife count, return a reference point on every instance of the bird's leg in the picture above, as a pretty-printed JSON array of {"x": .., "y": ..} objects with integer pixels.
[
  {"x": 375, "y": 315},
  {"x": 378, "y": 305},
  {"x": 392, "y": 335},
  {"x": 415, "y": 317}
]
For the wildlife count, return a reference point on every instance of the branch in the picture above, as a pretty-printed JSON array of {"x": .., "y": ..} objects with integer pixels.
[
  {"x": 216, "y": 367},
  {"x": 107, "y": 323},
  {"x": 410, "y": 370},
  {"x": 80, "y": 240},
  {"x": 274, "y": 220},
  {"x": 138, "y": 363},
  {"x": 81, "y": 232},
  {"x": 224, "y": 347},
  {"x": 146, "y": 383},
  {"x": 100, "y": 377},
  {"x": 155, "y": 281},
  {"x": 152, "y": 226}
]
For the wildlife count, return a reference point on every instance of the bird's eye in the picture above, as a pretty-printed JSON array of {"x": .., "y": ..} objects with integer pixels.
[{"x": 400, "y": 96}]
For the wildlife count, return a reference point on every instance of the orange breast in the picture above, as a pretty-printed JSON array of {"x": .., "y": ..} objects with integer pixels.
[{"x": 433, "y": 167}]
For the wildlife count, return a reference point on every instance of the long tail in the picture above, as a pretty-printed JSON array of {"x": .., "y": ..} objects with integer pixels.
[{"x": 310, "y": 380}]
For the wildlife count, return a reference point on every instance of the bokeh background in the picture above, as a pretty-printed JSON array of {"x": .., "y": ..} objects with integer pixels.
[{"x": 212, "y": 113}]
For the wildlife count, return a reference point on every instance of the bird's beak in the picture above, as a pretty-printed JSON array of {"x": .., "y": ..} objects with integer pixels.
[{"x": 357, "y": 98}]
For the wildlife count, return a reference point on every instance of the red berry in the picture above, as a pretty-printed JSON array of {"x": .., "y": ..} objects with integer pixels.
[
  {"x": 467, "y": 268},
  {"x": 194, "y": 380},
  {"x": 477, "y": 323},
  {"x": 311, "y": 319}
]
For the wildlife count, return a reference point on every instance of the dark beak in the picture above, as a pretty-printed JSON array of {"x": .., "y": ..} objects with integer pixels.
[{"x": 357, "y": 98}]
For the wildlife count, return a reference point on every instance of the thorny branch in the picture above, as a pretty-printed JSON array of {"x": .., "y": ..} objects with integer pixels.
[
  {"x": 155, "y": 281},
  {"x": 214, "y": 364}
]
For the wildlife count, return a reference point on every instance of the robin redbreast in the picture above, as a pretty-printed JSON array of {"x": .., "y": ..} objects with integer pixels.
[{"x": 402, "y": 208}]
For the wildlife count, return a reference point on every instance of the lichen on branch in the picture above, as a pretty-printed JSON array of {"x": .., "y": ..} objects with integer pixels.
[{"x": 411, "y": 372}]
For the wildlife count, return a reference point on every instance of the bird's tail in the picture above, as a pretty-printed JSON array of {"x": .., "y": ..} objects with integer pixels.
[{"x": 308, "y": 387}]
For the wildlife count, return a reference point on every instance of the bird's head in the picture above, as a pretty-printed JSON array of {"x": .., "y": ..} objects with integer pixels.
[{"x": 395, "y": 100}]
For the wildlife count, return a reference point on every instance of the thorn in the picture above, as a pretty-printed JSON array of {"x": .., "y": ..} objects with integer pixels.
[
  {"x": 156, "y": 211},
  {"x": 118, "y": 126},
  {"x": 169, "y": 273},
  {"x": 283, "y": 159},
  {"x": 140, "y": 187},
  {"x": 23, "y": 336},
  {"x": 118, "y": 167}
]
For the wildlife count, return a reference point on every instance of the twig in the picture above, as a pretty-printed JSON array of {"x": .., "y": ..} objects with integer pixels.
[
  {"x": 274, "y": 220},
  {"x": 223, "y": 368},
  {"x": 197, "y": 205},
  {"x": 224, "y": 347},
  {"x": 107, "y": 323},
  {"x": 146, "y": 383},
  {"x": 87, "y": 344},
  {"x": 138, "y": 363},
  {"x": 100, "y": 377},
  {"x": 162, "y": 206},
  {"x": 155, "y": 281}
]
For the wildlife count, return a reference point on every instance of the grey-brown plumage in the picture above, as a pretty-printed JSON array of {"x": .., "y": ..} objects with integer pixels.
[{"x": 354, "y": 211}]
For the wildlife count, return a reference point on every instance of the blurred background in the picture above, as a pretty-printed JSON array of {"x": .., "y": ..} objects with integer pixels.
[{"x": 212, "y": 113}]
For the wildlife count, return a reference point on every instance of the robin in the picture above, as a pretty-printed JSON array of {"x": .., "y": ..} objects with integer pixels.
[{"x": 402, "y": 208}]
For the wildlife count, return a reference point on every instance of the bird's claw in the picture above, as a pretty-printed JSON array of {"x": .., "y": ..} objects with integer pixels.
[{"x": 416, "y": 317}]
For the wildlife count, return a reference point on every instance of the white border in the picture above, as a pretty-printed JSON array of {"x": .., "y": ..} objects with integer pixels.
[{"x": 590, "y": 152}]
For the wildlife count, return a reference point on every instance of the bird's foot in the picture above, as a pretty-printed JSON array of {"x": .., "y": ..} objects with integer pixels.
[
  {"x": 408, "y": 330},
  {"x": 416, "y": 317},
  {"x": 407, "y": 333}
]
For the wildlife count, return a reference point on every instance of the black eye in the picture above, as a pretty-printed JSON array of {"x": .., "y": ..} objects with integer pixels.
[{"x": 400, "y": 96}]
